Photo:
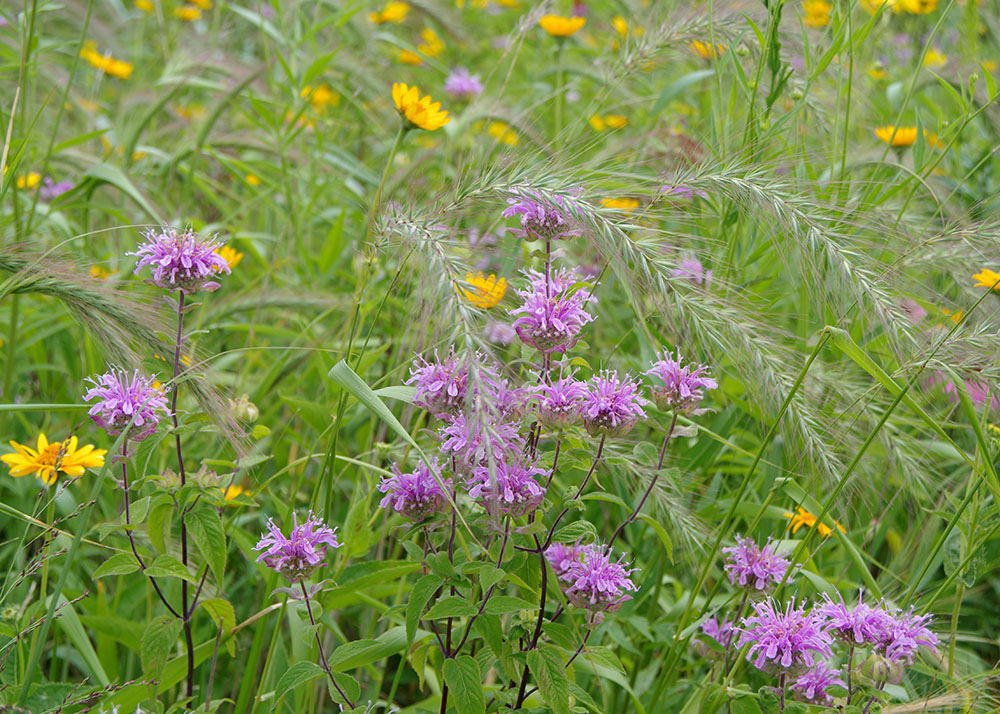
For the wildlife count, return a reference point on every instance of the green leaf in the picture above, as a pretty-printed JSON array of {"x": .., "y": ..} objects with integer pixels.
[
  {"x": 158, "y": 523},
  {"x": 489, "y": 628},
  {"x": 678, "y": 87},
  {"x": 575, "y": 531},
  {"x": 209, "y": 536},
  {"x": 356, "y": 533},
  {"x": 106, "y": 173},
  {"x": 489, "y": 576},
  {"x": 452, "y": 606},
  {"x": 157, "y": 641},
  {"x": 70, "y": 624},
  {"x": 419, "y": 597},
  {"x": 502, "y": 604},
  {"x": 549, "y": 669},
  {"x": 298, "y": 673},
  {"x": 465, "y": 683},
  {"x": 166, "y": 566},
  {"x": 117, "y": 564}
]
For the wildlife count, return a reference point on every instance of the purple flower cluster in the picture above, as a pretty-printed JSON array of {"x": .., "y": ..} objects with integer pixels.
[
  {"x": 560, "y": 404},
  {"x": 508, "y": 487},
  {"x": 440, "y": 385},
  {"x": 595, "y": 581},
  {"x": 691, "y": 269},
  {"x": 462, "y": 84},
  {"x": 811, "y": 686},
  {"x": 552, "y": 314},
  {"x": 298, "y": 555},
  {"x": 892, "y": 632},
  {"x": 612, "y": 406},
  {"x": 475, "y": 440},
  {"x": 722, "y": 632},
  {"x": 181, "y": 261},
  {"x": 51, "y": 190},
  {"x": 683, "y": 384},
  {"x": 562, "y": 557},
  {"x": 790, "y": 640},
  {"x": 126, "y": 402},
  {"x": 415, "y": 495},
  {"x": 754, "y": 567},
  {"x": 540, "y": 219}
]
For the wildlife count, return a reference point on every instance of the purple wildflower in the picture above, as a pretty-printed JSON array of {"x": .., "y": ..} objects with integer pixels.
[
  {"x": 904, "y": 634},
  {"x": 683, "y": 384},
  {"x": 914, "y": 311},
  {"x": 51, "y": 190},
  {"x": 860, "y": 625},
  {"x": 597, "y": 582},
  {"x": 783, "y": 640},
  {"x": 474, "y": 441},
  {"x": 509, "y": 487},
  {"x": 541, "y": 219},
  {"x": 462, "y": 84},
  {"x": 298, "y": 555},
  {"x": 562, "y": 557},
  {"x": 415, "y": 495},
  {"x": 684, "y": 192},
  {"x": 126, "y": 402},
  {"x": 812, "y": 684},
  {"x": 181, "y": 261},
  {"x": 612, "y": 406},
  {"x": 507, "y": 402},
  {"x": 500, "y": 333},
  {"x": 754, "y": 567},
  {"x": 721, "y": 632},
  {"x": 440, "y": 385},
  {"x": 691, "y": 269},
  {"x": 979, "y": 393},
  {"x": 552, "y": 315},
  {"x": 560, "y": 404}
]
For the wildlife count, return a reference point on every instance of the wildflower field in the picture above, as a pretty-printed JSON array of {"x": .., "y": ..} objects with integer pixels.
[{"x": 610, "y": 356}]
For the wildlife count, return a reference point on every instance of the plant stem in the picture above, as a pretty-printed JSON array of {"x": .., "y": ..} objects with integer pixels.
[
  {"x": 186, "y": 616},
  {"x": 850, "y": 666},
  {"x": 652, "y": 483},
  {"x": 319, "y": 644},
  {"x": 593, "y": 467}
]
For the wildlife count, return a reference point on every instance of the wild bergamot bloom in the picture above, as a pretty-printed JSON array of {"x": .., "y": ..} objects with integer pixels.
[
  {"x": 802, "y": 517},
  {"x": 419, "y": 111},
  {"x": 486, "y": 292},
  {"x": 899, "y": 137},
  {"x": 48, "y": 459},
  {"x": 987, "y": 278},
  {"x": 134, "y": 402},
  {"x": 301, "y": 552},
  {"x": 392, "y": 12},
  {"x": 559, "y": 26},
  {"x": 181, "y": 261},
  {"x": 817, "y": 12}
]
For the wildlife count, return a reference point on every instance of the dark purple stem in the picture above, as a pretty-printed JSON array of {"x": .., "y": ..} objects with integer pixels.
[
  {"x": 319, "y": 644},
  {"x": 586, "y": 480}
]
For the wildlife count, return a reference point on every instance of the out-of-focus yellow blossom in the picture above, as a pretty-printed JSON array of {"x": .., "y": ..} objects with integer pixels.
[
  {"x": 301, "y": 122},
  {"x": 188, "y": 13},
  {"x": 987, "y": 278},
  {"x": 615, "y": 121},
  {"x": 29, "y": 181},
  {"x": 503, "y": 133},
  {"x": 320, "y": 96},
  {"x": 872, "y": 6},
  {"x": 420, "y": 112},
  {"x": 598, "y": 123},
  {"x": 486, "y": 292},
  {"x": 817, "y": 12},
  {"x": 876, "y": 70},
  {"x": 933, "y": 58},
  {"x": 706, "y": 50},
  {"x": 47, "y": 460},
  {"x": 621, "y": 204},
  {"x": 203, "y": 4},
  {"x": 106, "y": 63},
  {"x": 898, "y": 137},
  {"x": 915, "y": 7},
  {"x": 230, "y": 255},
  {"x": 190, "y": 111},
  {"x": 99, "y": 273},
  {"x": 407, "y": 57},
  {"x": 392, "y": 12},
  {"x": 145, "y": 5},
  {"x": 989, "y": 65},
  {"x": 559, "y": 26},
  {"x": 252, "y": 179},
  {"x": 231, "y": 492},
  {"x": 432, "y": 44},
  {"x": 802, "y": 517}
]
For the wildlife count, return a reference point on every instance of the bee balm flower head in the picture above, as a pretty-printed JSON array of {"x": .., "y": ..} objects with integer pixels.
[
  {"x": 299, "y": 554},
  {"x": 597, "y": 582},
  {"x": 126, "y": 402},
  {"x": 784, "y": 640},
  {"x": 612, "y": 406},
  {"x": 181, "y": 261},
  {"x": 415, "y": 495},
  {"x": 754, "y": 567},
  {"x": 682, "y": 385},
  {"x": 552, "y": 314}
]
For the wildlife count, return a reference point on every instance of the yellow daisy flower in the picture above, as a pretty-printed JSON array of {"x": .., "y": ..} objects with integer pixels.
[
  {"x": 29, "y": 181},
  {"x": 915, "y": 7},
  {"x": 559, "y": 26},
  {"x": 486, "y": 291},
  {"x": 802, "y": 517},
  {"x": 935, "y": 59},
  {"x": 817, "y": 12},
  {"x": 230, "y": 255},
  {"x": 872, "y": 6},
  {"x": 419, "y": 111},
  {"x": 392, "y": 12},
  {"x": 876, "y": 70},
  {"x": 145, "y": 5},
  {"x": 987, "y": 278},
  {"x": 502, "y": 133},
  {"x": 252, "y": 179},
  {"x": 188, "y": 13},
  {"x": 234, "y": 491},
  {"x": 615, "y": 121},
  {"x": 432, "y": 44},
  {"x": 598, "y": 123},
  {"x": 320, "y": 97},
  {"x": 99, "y": 273},
  {"x": 407, "y": 57},
  {"x": 203, "y": 4},
  {"x": 47, "y": 460},
  {"x": 904, "y": 135},
  {"x": 106, "y": 63}
]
